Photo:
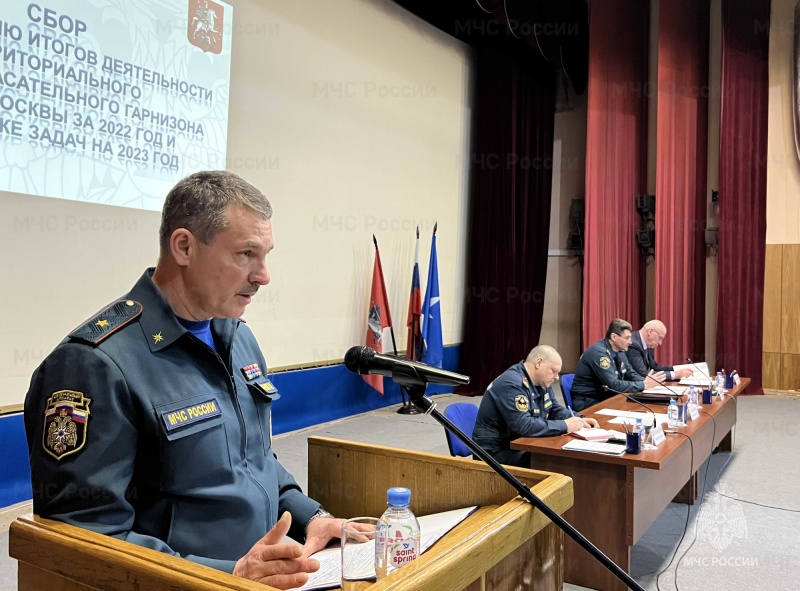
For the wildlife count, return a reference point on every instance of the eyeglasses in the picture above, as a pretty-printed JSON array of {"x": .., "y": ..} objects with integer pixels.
[{"x": 660, "y": 336}]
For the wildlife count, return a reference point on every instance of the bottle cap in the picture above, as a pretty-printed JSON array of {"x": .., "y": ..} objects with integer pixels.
[{"x": 398, "y": 496}]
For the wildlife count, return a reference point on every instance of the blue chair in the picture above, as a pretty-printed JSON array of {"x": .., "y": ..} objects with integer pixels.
[
  {"x": 566, "y": 388},
  {"x": 15, "y": 484},
  {"x": 462, "y": 415}
]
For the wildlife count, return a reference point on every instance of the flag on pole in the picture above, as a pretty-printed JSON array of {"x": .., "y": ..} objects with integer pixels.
[
  {"x": 414, "y": 310},
  {"x": 379, "y": 317},
  {"x": 432, "y": 348}
]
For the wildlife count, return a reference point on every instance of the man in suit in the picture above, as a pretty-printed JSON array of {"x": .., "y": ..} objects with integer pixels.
[
  {"x": 604, "y": 369},
  {"x": 641, "y": 352}
]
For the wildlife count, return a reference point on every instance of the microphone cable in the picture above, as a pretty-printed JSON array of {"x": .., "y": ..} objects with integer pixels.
[
  {"x": 688, "y": 514},
  {"x": 702, "y": 499}
]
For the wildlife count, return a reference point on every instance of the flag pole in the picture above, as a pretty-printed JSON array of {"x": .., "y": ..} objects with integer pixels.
[
  {"x": 406, "y": 408},
  {"x": 391, "y": 328}
]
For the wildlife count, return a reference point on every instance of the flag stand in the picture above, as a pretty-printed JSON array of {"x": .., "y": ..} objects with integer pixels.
[{"x": 407, "y": 408}]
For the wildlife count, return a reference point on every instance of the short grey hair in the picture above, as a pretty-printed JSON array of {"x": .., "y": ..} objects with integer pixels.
[
  {"x": 618, "y": 326},
  {"x": 545, "y": 352},
  {"x": 200, "y": 204}
]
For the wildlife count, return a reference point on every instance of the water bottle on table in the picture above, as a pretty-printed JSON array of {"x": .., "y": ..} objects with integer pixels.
[
  {"x": 672, "y": 414},
  {"x": 397, "y": 538},
  {"x": 693, "y": 396}
]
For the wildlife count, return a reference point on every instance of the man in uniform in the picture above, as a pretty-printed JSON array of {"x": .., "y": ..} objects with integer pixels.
[
  {"x": 604, "y": 369},
  {"x": 151, "y": 421},
  {"x": 641, "y": 352},
  {"x": 520, "y": 403}
]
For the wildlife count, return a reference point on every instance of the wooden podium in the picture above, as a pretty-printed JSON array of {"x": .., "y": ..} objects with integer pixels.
[{"x": 506, "y": 544}]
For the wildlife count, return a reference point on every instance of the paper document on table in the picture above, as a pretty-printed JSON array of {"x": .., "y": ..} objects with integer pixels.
[
  {"x": 590, "y": 434},
  {"x": 595, "y": 447},
  {"x": 431, "y": 529},
  {"x": 632, "y": 414},
  {"x": 671, "y": 391},
  {"x": 660, "y": 418},
  {"x": 700, "y": 374},
  {"x": 694, "y": 381},
  {"x": 697, "y": 369}
]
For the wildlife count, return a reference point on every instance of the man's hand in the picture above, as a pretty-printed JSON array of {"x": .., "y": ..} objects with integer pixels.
[
  {"x": 578, "y": 423},
  {"x": 652, "y": 380},
  {"x": 684, "y": 373},
  {"x": 321, "y": 531},
  {"x": 274, "y": 563}
]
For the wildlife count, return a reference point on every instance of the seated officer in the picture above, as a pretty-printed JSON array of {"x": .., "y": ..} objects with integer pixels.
[
  {"x": 605, "y": 364},
  {"x": 151, "y": 421},
  {"x": 520, "y": 403}
]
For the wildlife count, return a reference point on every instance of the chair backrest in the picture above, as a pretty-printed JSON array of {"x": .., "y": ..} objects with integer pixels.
[
  {"x": 566, "y": 388},
  {"x": 462, "y": 415}
]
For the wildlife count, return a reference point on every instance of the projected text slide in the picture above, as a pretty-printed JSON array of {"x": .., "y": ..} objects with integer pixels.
[{"x": 112, "y": 101}]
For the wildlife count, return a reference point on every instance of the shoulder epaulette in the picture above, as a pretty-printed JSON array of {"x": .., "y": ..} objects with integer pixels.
[{"x": 107, "y": 322}]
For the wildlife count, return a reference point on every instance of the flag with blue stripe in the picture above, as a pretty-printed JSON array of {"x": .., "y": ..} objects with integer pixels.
[{"x": 432, "y": 347}]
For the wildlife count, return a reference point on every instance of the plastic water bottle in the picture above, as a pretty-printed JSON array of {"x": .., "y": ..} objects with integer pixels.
[
  {"x": 672, "y": 414},
  {"x": 693, "y": 395},
  {"x": 720, "y": 385},
  {"x": 397, "y": 538},
  {"x": 639, "y": 428}
]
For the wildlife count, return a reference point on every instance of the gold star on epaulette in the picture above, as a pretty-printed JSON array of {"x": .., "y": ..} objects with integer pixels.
[
  {"x": 157, "y": 338},
  {"x": 102, "y": 323}
]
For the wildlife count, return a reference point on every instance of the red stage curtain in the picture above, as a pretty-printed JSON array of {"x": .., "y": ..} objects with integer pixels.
[
  {"x": 616, "y": 163},
  {"x": 743, "y": 187},
  {"x": 681, "y": 159}
]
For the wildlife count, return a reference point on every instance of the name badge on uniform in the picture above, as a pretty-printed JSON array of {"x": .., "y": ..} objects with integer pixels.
[{"x": 180, "y": 417}]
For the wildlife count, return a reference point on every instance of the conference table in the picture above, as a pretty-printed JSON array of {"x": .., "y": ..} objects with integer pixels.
[{"x": 617, "y": 498}]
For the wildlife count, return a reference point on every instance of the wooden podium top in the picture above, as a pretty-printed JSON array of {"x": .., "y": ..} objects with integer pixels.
[{"x": 496, "y": 543}]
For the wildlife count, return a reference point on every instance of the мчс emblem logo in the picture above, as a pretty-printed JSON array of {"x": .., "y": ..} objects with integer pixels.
[
  {"x": 204, "y": 26},
  {"x": 66, "y": 418}
]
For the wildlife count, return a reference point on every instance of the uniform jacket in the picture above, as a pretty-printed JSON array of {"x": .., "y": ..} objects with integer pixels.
[
  {"x": 513, "y": 407},
  {"x": 597, "y": 367},
  {"x": 642, "y": 358},
  {"x": 151, "y": 436}
]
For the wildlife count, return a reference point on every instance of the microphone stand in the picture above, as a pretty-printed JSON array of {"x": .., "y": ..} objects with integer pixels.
[{"x": 416, "y": 393}]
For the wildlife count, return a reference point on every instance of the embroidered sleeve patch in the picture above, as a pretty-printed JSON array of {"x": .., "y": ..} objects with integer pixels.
[
  {"x": 521, "y": 402},
  {"x": 180, "y": 417},
  {"x": 605, "y": 362},
  {"x": 66, "y": 422}
]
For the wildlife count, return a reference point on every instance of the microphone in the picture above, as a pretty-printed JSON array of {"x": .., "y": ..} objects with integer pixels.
[
  {"x": 363, "y": 360},
  {"x": 698, "y": 368}
]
